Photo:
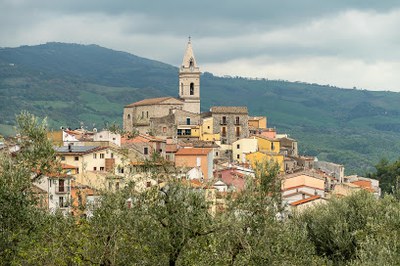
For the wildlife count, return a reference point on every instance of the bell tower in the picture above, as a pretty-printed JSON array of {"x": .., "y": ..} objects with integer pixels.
[{"x": 189, "y": 81}]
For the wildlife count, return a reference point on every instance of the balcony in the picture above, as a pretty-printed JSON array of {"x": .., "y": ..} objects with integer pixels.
[{"x": 62, "y": 189}]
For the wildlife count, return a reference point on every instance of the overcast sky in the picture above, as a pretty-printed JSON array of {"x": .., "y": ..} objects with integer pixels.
[{"x": 339, "y": 42}]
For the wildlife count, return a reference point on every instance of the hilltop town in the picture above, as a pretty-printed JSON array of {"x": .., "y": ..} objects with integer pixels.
[
  {"x": 217, "y": 151},
  {"x": 177, "y": 186}
]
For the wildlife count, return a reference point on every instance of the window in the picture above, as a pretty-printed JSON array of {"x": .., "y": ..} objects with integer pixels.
[
  {"x": 61, "y": 202},
  {"x": 101, "y": 155},
  {"x": 188, "y": 132},
  {"x": 112, "y": 155},
  {"x": 192, "y": 88},
  {"x": 142, "y": 114},
  {"x": 148, "y": 184},
  {"x": 237, "y": 131},
  {"x": 129, "y": 117},
  {"x": 145, "y": 150},
  {"x": 216, "y": 153},
  {"x": 164, "y": 129},
  {"x": 238, "y": 156},
  {"x": 224, "y": 120},
  {"x": 101, "y": 168},
  {"x": 95, "y": 168},
  {"x": 208, "y": 127},
  {"x": 94, "y": 155},
  {"x": 117, "y": 186},
  {"x": 191, "y": 65},
  {"x": 61, "y": 185},
  {"x": 272, "y": 146},
  {"x": 120, "y": 170},
  {"x": 181, "y": 88},
  {"x": 179, "y": 132},
  {"x": 237, "y": 120},
  {"x": 62, "y": 158},
  {"x": 167, "y": 157},
  {"x": 187, "y": 120},
  {"x": 76, "y": 158},
  {"x": 223, "y": 131},
  {"x": 238, "y": 146},
  {"x": 147, "y": 114}
]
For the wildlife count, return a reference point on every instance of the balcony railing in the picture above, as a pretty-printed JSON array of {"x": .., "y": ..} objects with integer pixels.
[{"x": 62, "y": 190}]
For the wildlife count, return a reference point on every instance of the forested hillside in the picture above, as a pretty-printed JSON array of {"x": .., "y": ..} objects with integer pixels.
[{"x": 73, "y": 84}]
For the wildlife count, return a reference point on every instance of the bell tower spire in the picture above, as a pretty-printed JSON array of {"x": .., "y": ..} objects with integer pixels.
[{"x": 189, "y": 81}]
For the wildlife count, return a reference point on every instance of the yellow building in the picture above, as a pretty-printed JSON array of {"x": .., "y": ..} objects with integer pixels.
[
  {"x": 258, "y": 122},
  {"x": 243, "y": 146},
  {"x": 206, "y": 130},
  {"x": 262, "y": 157},
  {"x": 266, "y": 144}
]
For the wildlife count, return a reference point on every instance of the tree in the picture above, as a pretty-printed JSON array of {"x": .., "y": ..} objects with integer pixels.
[{"x": 25, "y": 160}]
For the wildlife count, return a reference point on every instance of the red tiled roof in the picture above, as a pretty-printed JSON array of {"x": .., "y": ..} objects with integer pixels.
[
  {"x": 68, "y": 166},
  {"x": 299, "y": 202},
  {"x": 171, "y": 148},
  {"x": 363, "y": 184},
  {"x": 193, "y": 151}
]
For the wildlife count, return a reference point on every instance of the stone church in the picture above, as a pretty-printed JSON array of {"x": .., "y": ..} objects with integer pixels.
[{"x": 139, "y": 115}]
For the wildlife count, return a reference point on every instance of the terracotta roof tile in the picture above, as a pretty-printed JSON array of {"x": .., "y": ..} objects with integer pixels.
[
  {"x": 193, "y": 151},
  {"x": 68, "y": 166},
  {"x": 299, "y": 202}
]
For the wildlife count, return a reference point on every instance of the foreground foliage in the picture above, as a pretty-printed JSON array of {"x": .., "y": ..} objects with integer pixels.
[{"x": 173, "y": 224}]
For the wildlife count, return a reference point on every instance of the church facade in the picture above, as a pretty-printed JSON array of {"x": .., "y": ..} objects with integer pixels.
[{"x": 138, "y": 115}]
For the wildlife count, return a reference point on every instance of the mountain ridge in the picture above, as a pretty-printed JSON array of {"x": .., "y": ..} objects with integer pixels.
[{"x": 73, "y": 84}]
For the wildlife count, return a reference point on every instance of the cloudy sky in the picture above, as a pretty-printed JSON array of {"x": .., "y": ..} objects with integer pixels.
[{"x": 346, "y": 43}]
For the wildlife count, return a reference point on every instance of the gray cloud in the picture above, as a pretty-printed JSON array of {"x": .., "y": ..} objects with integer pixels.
[{"x": 308, "y": 40}]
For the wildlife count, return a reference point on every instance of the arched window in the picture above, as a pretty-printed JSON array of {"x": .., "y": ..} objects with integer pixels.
[
  {"x": 192, "y": 88},
  {"x": 181, "y": 88},
  {"x": 129, "y": 117},
  {"x": 191, "y": 64}
]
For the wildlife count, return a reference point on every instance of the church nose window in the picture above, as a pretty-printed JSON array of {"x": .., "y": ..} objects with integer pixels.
[{"x": 192, "y": 88}]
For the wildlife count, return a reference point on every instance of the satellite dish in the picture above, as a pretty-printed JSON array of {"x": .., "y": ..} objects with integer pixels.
[
  {"x": 62, "y": 128},
  {"x": 94, "y": 129}
]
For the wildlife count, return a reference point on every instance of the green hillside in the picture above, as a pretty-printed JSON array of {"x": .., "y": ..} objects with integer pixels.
[{"x": 73, "y": 84}]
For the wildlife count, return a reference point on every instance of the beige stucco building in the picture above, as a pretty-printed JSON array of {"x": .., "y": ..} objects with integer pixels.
[
  {"x": 96, "y": 165},
  {"x": 243, "y": 146}
]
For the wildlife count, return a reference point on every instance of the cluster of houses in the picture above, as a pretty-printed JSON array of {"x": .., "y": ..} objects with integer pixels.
[{"x": 216, "y": 150}]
